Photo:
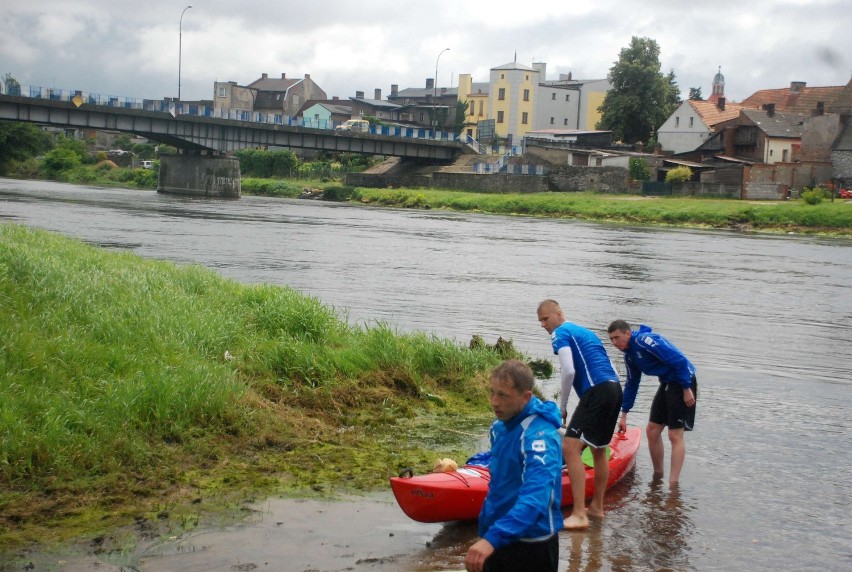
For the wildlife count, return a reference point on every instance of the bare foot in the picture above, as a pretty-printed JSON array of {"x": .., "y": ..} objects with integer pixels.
[
  {"x": 575, "y": 522},
  {"x": 594, "y": 511}
]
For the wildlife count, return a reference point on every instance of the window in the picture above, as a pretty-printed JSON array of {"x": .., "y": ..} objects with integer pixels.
[
  {"x": 553, "y": 96},
  {"x": 567, "y": 97},
  {"x": 421, "y": 117},
  {"x": 565, "y": 121},
  {"x": 501, "y": 94},
  {"x": 551, "y": 120},
  {"x": 525, "y": 118},
  {"x": 472, "y": 107},
  {"x": 481, "y": 103},
  {"x": 677, "y": 121},
  {"x": 502, "y": 76},
  {"x": 499, "y": 117},
  {"x": 526, "y": 95},
  {"x": 691, "y": 121},
  {"x": 221, "y": 92}
]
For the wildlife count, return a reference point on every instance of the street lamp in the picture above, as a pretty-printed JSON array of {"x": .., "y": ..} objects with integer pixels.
[
  {"x": 435, "y": 89},
  {"x": 180, "y": 42}
]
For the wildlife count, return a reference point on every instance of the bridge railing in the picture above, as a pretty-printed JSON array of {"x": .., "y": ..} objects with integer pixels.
[{"x": 79, "y": 97}]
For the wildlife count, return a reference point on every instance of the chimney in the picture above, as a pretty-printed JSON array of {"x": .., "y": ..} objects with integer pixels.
[
  {"x": 359, "y": 95},
  {"x": 335, "y": 98},
  {"x": 264, "y": 76},
  {"x": 283, "y": 75},
  {"x": 769, "y": 108},
  {"x": 307, "y": 76},
  {"x": 820, "y": 108},
  {"x": 430, "y": 83},
  {"x": 378, "y": 94},
  {"x": 797, "y": 86},
  {"x": 721, "y": 104},
  {"x": 394, "y": 89}
]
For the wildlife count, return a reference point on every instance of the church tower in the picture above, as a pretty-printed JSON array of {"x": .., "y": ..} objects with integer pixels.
[{"x": 718, "y": 87}]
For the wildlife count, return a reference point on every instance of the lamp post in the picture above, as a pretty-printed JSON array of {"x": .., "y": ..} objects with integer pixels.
[
  {"x": 180, "y": 44},
  {"x": 435, "y": 89}
]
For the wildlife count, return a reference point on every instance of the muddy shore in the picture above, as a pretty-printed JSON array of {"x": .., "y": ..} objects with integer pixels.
[{"x": 355, "y": 533}]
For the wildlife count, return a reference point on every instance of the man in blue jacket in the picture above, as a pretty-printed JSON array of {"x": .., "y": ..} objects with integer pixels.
[
  {"x": 521, "y": 514},
  {"x": 646, "y": 351},
  {"x": 587, "y": 368}
]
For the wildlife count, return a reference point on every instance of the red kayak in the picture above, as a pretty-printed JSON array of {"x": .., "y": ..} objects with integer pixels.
[{"x": 458, "y": 495}]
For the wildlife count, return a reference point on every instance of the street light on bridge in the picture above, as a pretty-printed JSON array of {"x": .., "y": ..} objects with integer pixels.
[
  {"x": 435, "y": 89},
  {"x": 180, "y": 42}
]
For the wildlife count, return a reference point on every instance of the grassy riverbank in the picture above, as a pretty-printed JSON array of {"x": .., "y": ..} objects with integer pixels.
[
  {"x": 136, "y": 389},
  {"x": 769, "y": 216}
]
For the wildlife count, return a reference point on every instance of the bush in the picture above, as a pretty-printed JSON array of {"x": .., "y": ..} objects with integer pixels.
[
  {"x": 639, "y": 170},
  {"x": 815, "y": 195},
  {"x": 680, "y": 174},
  {"x": 58, "y": 160}
]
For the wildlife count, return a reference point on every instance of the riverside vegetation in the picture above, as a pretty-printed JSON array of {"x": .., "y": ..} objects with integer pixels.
[{"x": 139, "y": 391}]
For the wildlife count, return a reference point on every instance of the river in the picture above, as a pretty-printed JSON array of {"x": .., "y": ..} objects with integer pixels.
[{"x": 766, "y": 319}]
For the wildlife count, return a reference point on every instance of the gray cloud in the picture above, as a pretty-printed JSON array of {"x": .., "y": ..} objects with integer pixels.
[{"x": 128, "y": 48}]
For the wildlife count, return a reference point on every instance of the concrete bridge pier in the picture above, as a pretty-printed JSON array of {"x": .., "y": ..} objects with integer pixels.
[{"x": 200, "y": 175}]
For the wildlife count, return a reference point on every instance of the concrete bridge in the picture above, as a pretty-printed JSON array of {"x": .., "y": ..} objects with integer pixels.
[{"x": 202, "y": 166}]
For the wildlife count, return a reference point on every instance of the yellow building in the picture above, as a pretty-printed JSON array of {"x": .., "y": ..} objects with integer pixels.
[
  {"x": 512, "y": 90},
  {"x": 508, "y": 99},
  {"x": 476, "y": 96}
]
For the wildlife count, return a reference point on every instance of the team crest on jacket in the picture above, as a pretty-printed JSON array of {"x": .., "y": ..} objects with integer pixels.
[{"x": 539, "y": 446}]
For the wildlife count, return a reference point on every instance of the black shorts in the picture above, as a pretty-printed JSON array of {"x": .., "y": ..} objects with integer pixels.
[
  {"x": 669, "y": 409},
  {"x": 594, "y": 419},
  {"x": 543, "y": 555}
]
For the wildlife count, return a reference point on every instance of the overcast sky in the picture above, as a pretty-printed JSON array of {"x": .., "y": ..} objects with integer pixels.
[{"x": 131, "y": 48}]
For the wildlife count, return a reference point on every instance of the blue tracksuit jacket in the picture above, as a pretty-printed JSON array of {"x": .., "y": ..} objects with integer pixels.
[
  {"x": 525, "y": 493},
  {"x": 652, "y": 354}
]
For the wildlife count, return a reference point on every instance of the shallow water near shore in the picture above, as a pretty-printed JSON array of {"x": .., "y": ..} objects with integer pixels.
[{"x": 766, "y": 319}]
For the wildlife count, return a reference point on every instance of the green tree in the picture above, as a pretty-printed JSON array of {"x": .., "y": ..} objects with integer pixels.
[
  {"x": 695, "y": 94},
  {"x": 460, "y": 121},
  {"x": 13, "y": 87},
  {"x": 123, "y": 142},
  {"x": 20, "y": 141},
  {"x": 639, "y": 170},
  {"x": 641, "y": 97}
]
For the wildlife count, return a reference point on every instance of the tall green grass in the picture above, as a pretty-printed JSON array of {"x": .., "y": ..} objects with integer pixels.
[
  {"x": 120, "y": 375},
  {"x": 692, "y": 211}
]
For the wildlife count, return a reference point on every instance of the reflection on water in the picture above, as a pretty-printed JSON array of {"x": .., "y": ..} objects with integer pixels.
[{"x": 766, "y": 319}]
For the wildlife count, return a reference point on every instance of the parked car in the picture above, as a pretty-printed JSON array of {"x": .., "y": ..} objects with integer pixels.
[
  {"x": 357, "y": 125},
  {"x": 147, "y": 164}
]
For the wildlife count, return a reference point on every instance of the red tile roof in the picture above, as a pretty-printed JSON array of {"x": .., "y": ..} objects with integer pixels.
[
  {"x": 711, "y": 115},
  {"x": 802, "y": 101}
]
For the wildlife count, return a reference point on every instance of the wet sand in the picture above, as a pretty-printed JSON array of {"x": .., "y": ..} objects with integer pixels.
[{"x": 360, "y": 533}]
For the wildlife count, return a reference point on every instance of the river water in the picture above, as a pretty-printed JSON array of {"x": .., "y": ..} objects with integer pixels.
[{"x": 767, "y": 320}]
